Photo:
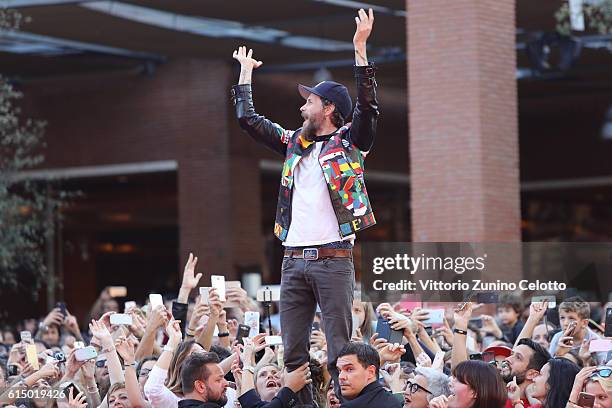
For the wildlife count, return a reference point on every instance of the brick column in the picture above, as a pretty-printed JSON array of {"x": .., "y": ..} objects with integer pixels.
[{"x": 463, "y": 120}]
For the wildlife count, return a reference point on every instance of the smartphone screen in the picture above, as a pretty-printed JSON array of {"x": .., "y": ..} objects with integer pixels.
[
  {"x": 243, "y": 331},
  {"x": 218, "y": 282}
]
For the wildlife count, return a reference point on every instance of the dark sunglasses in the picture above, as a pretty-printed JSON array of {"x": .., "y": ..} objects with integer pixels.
[
  {"x": 101, "y": 363},
  {"x": 143, "y": 372},
  {"x": 413, "y": 387}
]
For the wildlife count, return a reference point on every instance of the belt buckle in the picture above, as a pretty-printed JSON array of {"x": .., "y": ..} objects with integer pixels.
[{"x": 310, "y": 254}]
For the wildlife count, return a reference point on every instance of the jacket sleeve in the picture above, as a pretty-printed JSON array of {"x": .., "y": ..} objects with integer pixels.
[
  {"x": 263, "y": 130},
  {"x": 179, "y": 311},
  {"x": 285, "y": 398},
  {"x": 365, "y": 115}
]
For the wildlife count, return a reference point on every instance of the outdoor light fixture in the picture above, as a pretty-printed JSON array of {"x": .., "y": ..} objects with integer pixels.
[{"x": 541, "y": 45}]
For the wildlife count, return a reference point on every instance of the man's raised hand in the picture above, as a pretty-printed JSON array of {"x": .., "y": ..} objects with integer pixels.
[
  {"x": 245, "y": 58},
  {"x": 364, "y": 24}
]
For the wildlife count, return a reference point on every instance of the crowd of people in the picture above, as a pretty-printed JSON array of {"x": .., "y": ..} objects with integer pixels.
[{"x": 190, "y": 352}]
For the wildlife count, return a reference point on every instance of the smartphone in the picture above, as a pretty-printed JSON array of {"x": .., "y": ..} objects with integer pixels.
[
  {"x": 129, "y": 305},
  {"x": 600, "y": 345},
  {"x": 218, "y": 282},
  {"x": 476, "y": 356},
  {"x": 59, "y": 356},
  {"x": 552, "y": 301},
  {"x": 487, "y": 297},
  {"x": 32, "y": 355},
  {"x": 155, "y": 299},
  {"x": 26, "y": 336},
  {"x": 316, "y": 326},
  {"x": 386, "y": 332},
  {"x": 608, "y": 330},
  {"x": 274, "y": 340},
  {"x": 117, "y": 291},
  {"x": 586, "y": 400},
  {"x": 251, "y": 319},
  {"x": 85, "y": 353},
  {"x": 280, "y": 356},
  {"x": 355, "y": 323},
  {"x": 268, "y": 294},
  {"x": 243, "y": 331},
  {"x": 204, "y": 293},
  {"x": 120, "y": 318},
  {"x": 67, "y": 386},
  {"x": 12, "y": 370},
  {"x": 488, "y": 356},
  {"x": 62, "y": 307},
  {"x": 476, "y": 321},
  {"x": 436, "y": 317},
  {"x": 229, "y": 285}
]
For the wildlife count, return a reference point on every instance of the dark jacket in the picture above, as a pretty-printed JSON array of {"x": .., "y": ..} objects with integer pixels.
[
  {"x": 341, "y": 158},
  {"x": 191, "y": 403},
  {"x": 284, "y": 399},
  {"x": 373, "y": 395}
]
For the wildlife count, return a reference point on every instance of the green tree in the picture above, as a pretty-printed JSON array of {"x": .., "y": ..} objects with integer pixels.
[{"x": 27, "y": 207}]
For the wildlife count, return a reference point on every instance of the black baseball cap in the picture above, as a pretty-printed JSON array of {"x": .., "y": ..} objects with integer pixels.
[{"x": 332, "y": 91}]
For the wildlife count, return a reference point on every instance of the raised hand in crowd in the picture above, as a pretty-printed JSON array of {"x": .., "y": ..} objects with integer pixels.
[
  {"x": 580, "y": 381},
  {"x": 490, "y": 326},
  {"x": 391, "y": 374},
  {"x": 76, "y": 401},
  {"x": 190, "y": 279},
  {"x": 318, "y": 341},
  {"x": 462, "y": 315}
]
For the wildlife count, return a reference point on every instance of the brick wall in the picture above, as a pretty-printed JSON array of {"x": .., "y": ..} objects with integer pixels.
[{"x": 463, "y": 120}]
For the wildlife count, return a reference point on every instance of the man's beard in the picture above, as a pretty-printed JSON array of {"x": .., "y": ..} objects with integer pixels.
[
  {"x": 310, "y": 130},
  {"x": 222, "y": 400},
  {"x": 520, "y": 378}
]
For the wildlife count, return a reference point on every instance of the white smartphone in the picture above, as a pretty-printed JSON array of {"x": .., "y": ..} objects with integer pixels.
[
  {"x": 251, "y": 319},
  {"x": 204, "y": 291},
  {"x": 218, "y": 282},
  {"x": 552, "y": 301},
  {"x": 85, "y": 353},
  {"x": 228, "y": 285},
  {"x": 274, "y": 340},
  {"x": 120, "y": 318},
  {"x": 129, "y": 305},
  {"x": 155, "y": 299},
  {"x": 355, "y": 320},
  {"x": 436, "y": 317},
  {"x": 26, "y": 336},
  {"x": 600, "y": 346}
]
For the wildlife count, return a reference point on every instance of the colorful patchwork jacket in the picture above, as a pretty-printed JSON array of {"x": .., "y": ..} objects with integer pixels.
[{"x": 341, "y": 156}]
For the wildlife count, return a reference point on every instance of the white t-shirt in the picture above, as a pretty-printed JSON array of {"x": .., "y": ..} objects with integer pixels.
[{"x": 313, "y": 220}]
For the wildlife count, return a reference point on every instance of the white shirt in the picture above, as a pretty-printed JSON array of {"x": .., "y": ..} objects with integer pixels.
[{"x": 313, "y": 220}]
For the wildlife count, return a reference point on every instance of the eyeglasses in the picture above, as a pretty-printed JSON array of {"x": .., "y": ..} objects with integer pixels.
[
  {"x": 101, "y": 363},
  {"x": 413, "y": 388},
  {"x": 143, "y": 372}
]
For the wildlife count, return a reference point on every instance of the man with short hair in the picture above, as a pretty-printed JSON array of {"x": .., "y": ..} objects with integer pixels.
[
  {"x": 322, "y": 200},
  {"x": 358, "y": 367},
  {"x": 525, "y": 363},
  {"x": 203, "y": 382}
]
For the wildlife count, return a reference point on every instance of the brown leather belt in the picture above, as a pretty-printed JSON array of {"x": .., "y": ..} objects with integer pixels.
[{"x": 312, "y": 254}]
